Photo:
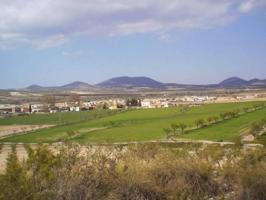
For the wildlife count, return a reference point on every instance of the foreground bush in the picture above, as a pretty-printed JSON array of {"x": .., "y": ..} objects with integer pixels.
[{"x": 137, "y": 172}]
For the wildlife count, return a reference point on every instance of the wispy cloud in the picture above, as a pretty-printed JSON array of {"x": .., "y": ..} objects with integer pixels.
[
  {"x": 165, "y": 37},
  {"x": 72, "y": 53},
  {"x": 249, "y": 5},
  {"x": 52, "y": 41},
  {"x": 48, "y": 23}
]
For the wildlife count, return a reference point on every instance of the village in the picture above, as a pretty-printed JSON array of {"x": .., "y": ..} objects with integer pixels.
[{"x": 49, "y": 104}]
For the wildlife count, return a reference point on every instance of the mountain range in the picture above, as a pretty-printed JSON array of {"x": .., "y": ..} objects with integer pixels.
[
  {"x": 126, "y": 82},
  {"x": 131, "y": 82},
  {"x": 73, "y": 85}
]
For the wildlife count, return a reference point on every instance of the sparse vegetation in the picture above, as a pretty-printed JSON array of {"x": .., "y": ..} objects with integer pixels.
[
  {"x": 258, "y": 128},
  {"x": 136, "y": 172}
]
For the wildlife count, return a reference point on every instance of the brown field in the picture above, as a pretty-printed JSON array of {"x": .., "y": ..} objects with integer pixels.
[
  {"x": 18, "y": 129},
  {"x": 21, "y": 151}
]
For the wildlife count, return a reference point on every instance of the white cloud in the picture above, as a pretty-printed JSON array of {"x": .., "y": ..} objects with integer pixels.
[
  {"x": 72, "y": 53},
  {"x": 47, "y": 23},
  {"x": 52, "y": 41},
  {"x": 249, "y": 5},
  {"x": 165, "y": 37}
]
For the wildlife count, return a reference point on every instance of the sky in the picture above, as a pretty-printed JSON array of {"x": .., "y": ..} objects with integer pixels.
[{"x": 53, "y": 43}]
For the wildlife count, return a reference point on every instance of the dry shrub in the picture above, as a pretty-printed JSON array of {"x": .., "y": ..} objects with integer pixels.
[
  {"x": 252, "y": 183},
  {"x": 81, "y": 176},
  {"x": 182, "y": 176},
  {"x": 252, "y": 176},
  {"x": 132, "y": 178},
  {"x": 138, "y": 172}
]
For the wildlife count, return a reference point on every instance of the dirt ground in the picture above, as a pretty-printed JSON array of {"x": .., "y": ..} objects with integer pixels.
[
  {"x": 16, "y": 129},
  {"x": 22, "y": 154},
  {"x": 5, "y": 151}
]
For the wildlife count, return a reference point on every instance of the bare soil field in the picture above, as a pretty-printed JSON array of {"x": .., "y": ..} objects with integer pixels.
[
  {"x": 21, "y": 153},
  {"x": 5, "y": 151},
  {"x": 17, "y": 129}
]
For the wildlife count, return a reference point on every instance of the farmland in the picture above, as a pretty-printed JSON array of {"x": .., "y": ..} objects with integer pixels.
[
  {"x": 83, "y": 162},
  {"x": 55, "y": 118},
  {"x": 135, "y": 125}
]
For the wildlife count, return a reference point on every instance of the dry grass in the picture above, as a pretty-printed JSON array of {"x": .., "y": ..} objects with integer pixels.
[{"x": 137, "y": 172}]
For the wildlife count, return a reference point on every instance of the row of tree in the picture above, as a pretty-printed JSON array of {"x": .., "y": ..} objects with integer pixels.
[
  {"x": 258, "y": 128},
  {"x": 175, "y": 129},
  {"x": 180, "y": 128}
]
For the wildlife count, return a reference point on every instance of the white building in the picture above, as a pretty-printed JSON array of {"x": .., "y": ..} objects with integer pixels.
[
  {"x": 74, "y": 109},
  {"x": 146, "y": 103},
  {"x": 61, "y": 104},
  {"x": 36, "y": 108}
]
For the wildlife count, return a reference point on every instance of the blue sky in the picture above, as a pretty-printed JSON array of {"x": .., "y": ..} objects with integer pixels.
[{"x": 191, "y": 47}]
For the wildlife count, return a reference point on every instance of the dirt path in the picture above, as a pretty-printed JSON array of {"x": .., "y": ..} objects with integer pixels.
[
  {"x": 197, "y": 141},
  {"x": 6, "y": 131},
  {"x": 175, "y": 141},
  {"x": 88, "y": 130},
  {"x": 21, "y": 152}
]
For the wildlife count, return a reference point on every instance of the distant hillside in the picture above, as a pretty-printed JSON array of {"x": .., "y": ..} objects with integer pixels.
[
  {"x": 131, "y": 82},
  {"x": 233, "y": 82},
  {"x": 126, "y": 82},
  {"x": 77, "y": 85},
  {"x": 34, "y": 87},
  {"x": 236, "y": 82},
  {"x": 140, "y": 82},
  {"x": 257, "y": 82}
]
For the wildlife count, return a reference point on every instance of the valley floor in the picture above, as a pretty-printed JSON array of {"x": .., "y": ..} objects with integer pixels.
[{"x": 139, "y": 125}]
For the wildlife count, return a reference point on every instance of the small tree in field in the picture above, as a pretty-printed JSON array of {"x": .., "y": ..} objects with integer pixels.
[
  {"x": 237, "y": 112},
  {"x": 71, "y": 134},
  {"x": 216, "y": 119},
  {"x": 174, "y": 128},
  {"x": 223, "y": 116},
  {"x": 246, "y": 109},
  {"x": 167, "y": 132},
  {"x": 210, "y": 120},
  {"x": 200, "y": 123},
  {"x": 182, "y": 127}
]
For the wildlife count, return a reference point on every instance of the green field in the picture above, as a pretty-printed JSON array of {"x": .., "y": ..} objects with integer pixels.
[
  {"x": 229, "y": 130},
  {"x": 55, "y": 118},
  {"x": 135, "y": 125}
]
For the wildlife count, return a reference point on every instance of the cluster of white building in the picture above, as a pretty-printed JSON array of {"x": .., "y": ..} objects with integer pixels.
[
  {"x": 198, "y": 99},
  {"x": 111, "y": 104}
]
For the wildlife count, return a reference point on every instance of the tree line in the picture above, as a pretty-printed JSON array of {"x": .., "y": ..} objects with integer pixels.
[{"x": 177, "y": 129}]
